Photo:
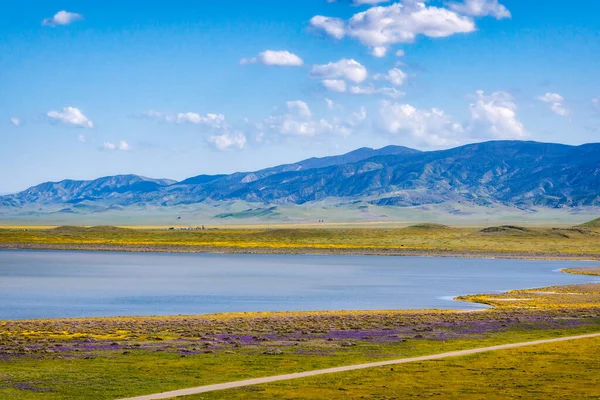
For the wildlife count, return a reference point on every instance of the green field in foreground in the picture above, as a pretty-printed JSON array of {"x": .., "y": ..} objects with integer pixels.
[
  {"x": 567, "y": 371},
  {"x": 110, "y": 375},
  {"x": 418, "y": 239}
]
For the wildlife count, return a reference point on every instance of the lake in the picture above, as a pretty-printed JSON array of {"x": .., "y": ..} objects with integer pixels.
[{"x": 54, "y": 284}]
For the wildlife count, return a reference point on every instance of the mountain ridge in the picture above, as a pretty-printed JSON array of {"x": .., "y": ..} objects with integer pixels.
[{"x": 515, "y": 173}]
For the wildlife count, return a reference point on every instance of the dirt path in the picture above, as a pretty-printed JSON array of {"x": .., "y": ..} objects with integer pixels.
[{"x": 257, "y": 381}]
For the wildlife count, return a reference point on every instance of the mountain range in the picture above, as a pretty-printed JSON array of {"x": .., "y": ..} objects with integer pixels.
[{"x": 510, "y": 173}]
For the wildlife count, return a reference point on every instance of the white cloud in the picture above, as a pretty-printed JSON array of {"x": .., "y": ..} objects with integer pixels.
[
  {"x": 427, "y": 127},
  {"x": 214, "y": 120},
  {"x": 332, "y": 26},
  {"x": 82, "y": 138},
  {"x": 396, "y": 23},
  {"x": 291, "y": 126},
  {"x": 345, "y": 69},
  {"x": 124, "y": 146},
  {"x": 330, "y": 104},
  {"x": 298, "y": 120},
  {"x": 210, "y": 119},
  {"x": 556, "y": 107},
  {"x": 228, "y": 141},
  {"x": 280, "y": 58},
  {"x": 334, "y": 85},
  {"x": 379, "y": 51},
  {"x": 71, "y": 116},
  {"x": 559, "y": 109},
  {"x": 300, "y": 107},
  {"x": 62, "y": 18},
  {"x": 551, "y": 98},
  {"x": 495, "y": 115},
  {"x": 400, "y": 53},
  {"x": 370, "y": 90},
  {"x": 361, "y": 115},
  {"x": 596, "y": 103},
  {"x": 394, "y": 76},
  {"x": 15, "y": 121},
  {"x": 481, "y": 8},
  {"x": 109, "y": 146}
]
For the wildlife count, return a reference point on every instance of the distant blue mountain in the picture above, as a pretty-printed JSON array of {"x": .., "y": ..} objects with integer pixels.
[{"x": 514, "y": 173}]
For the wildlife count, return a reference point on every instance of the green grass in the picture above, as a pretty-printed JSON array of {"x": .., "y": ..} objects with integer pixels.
[
  {"x": 568, "y": 371},
  {"x": 592, "y": 224},
  {"x": 419, "y": 239},
  {"x": 110, "y": 375}
]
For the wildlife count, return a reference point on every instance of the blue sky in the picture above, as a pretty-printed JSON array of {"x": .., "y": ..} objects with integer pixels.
[{"x": 177, "y": 89}]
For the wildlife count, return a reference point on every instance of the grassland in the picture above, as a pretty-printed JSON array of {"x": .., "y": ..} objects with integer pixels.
[
  {"x": 568, "y": 371},
  {"x": 422, "y": 239}
]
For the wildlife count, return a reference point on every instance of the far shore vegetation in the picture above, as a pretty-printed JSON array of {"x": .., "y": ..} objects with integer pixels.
[{"x": 582, "y": 241}]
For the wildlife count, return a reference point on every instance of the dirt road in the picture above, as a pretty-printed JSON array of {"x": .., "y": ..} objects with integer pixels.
[{"x": 276, "y": 378}]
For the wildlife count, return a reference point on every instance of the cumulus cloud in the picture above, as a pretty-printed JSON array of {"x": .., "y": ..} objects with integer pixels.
[
  {"x": 360, "y": 115},
  {"x": 210, "y": 119},
  {"x": 400, "y": 53},
  {"x": 394, "y": 76},
  {"x": 195, "y": 118},
  {"x": 228, "y": 141},
  {"x": 280, "y": 58},
  {"x": 344, "y": 69},
  {"x": 556, "y": 106},
  {"x": 300, "y": 107},
  {"x": 334, "y": 85},
  {"x": 70, "y": 116},
  {"x": 559, "y": 109},
  {"x": 384, "y": 26},
  {"x": 596, "y": 104},
  {"x": 371, "y": 90},
  {"x": 124, "y": 146},
  {"x": 15, "y": 121},
  {"x": 379, "y": 51},
  {"x": 330, "y": 104},
  {"x": 430, "y": 127},
  {"x": 335, "y": 27},
  {"x": 298, "y": 120},
  {"x": 495, "y": 115},
  {"x": 62, "y": 18},
  {"x": 110, "y": 146},
  {"x": 481, "y": 8},
  {"x": 551, "y": 98}
]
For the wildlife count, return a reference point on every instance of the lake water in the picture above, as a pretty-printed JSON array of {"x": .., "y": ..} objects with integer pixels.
[{"x": 52, "y": 284}]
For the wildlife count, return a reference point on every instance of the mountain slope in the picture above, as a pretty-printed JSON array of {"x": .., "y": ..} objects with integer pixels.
[
  {"x": 513, "y": 173},
  {"x": 70, "y": 191},
  {"x": 311, "y": 163}
]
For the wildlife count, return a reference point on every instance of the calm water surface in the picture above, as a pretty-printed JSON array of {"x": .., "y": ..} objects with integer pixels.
[{"x": 47, "y": 284}]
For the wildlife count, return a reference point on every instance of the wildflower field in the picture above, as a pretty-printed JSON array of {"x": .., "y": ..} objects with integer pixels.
[
  {"x": 108, "y": 358},
  {"x": 423, "y": 239}
]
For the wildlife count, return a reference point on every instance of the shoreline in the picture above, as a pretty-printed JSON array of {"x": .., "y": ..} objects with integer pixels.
[{"x": 300, "y": 251}]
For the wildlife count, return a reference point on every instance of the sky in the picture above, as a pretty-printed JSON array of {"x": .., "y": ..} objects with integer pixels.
[{"x": 182, "y": 88}]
